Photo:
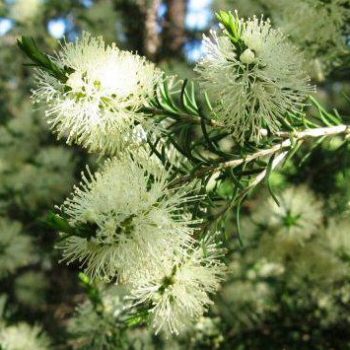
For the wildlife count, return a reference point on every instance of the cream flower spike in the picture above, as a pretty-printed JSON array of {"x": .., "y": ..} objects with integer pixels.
[
  {"x": 22, "y": 336},
  {"x": 98, "y": 106},
  {"x": 338, "y": 237},
  {"x": 254, "y": 74},
  {"x": 16, "y": 247},
  {"x": 298, "y": 217},
  {"x": 133, "y": 216},
  {"x": 25, "y": 10},
  {"x": 324, "y": 41},
  {"x": 178, "y": 287}
]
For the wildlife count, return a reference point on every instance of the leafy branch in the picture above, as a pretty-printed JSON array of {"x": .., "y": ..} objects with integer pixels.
[
  {"x": 41, "y": 60},
  {"x": 288, "y": 143},
  {"x": 187, "y": 115}
]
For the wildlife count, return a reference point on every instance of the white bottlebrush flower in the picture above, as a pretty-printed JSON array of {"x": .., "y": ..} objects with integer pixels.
[
  {"x": 316, "y": 266},
  {"x": 298, "y": 216},
  {"x": 16, "y": 249},
  {"x": 43, "y": 179},
  {"x": 55, "y": 168},
  {"x": 338, "y": 237},
  {"x": 97, "y": 104},
  {"x": 254, "y": 81},
  {"x": 25, "y": 10},
  {"x": 208, "y": 328},
  {"x": 133, "y": 215},
  {"x": 323, "y": 40},
  {"x": 177, "y": 288},
  {"x": 22, "y": 336},
  {"x": 247, "y": 301},
  {"x": 32, "y": 174},
  {"x": 30, "y": 288},
  {"x": 266, "y": 269},
  {"x": 19, "y": 138},
  {"x": 143, "y": 339},
  {"x": 98, "y": 327}
]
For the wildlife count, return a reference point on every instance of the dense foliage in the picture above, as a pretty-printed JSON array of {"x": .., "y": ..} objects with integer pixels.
[{"x": 153, "y": 202}]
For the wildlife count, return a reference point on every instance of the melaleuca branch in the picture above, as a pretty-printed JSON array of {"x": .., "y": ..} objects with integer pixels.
[
  {"x": 146, "y": 218},
  {"x": 286, "y": 144}
]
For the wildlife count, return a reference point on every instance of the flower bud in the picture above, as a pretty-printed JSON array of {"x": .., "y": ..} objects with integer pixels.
[{"x": 247, "y": 57}]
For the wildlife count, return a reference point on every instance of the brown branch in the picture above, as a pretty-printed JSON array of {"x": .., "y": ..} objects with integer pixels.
[{"x": 288, "y": 143}]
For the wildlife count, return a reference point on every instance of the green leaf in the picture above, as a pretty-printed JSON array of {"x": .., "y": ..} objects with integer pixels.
[
  {"x": 85, "y": 279},
  {"x": 41, "y": 60},
  {"x": 238, "y": 221},
  {"x": 327, "y": 118},
  {"x": 233, "y": 25},
  {"x": 137, "y": 319},
  {"x": 92, "y": 292},
  {"x": 268, "y": 174},
  {"x": 59, "y": 223}
]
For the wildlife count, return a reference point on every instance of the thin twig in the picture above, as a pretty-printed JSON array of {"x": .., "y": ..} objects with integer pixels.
[{"x": 293, "y": 136}]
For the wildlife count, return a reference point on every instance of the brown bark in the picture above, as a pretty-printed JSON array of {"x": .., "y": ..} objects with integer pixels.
[
  {"x": 174, "y": 30},
  {"x": 151, "y": 38},
  {"x": 133, "y": 18}
]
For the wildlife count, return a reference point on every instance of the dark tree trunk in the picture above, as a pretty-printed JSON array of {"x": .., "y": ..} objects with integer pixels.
[
  {"x": 133, "y": 18},
  {"x": 174, "y": 34},
  {"x": 151, "y": 38}
]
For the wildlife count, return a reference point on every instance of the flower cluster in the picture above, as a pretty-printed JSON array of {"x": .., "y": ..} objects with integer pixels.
[
  {"x": 126, "y": 222},
  {"x": 16, "y": 249},
  {"x": 277, "y": 276},
  {"x": 98, "y": 100},
  {"x": 32, "y": 174},
  {"x": 30, "y": 288},
  {"x": 98, "y": 326},
  {"x": 254, "y": 74},
  {"x": 22, "y": 336},
  {"x": 324, "y": 41},
  {"x": 25, "y": 10},
  {"x": 136, "y": 222},
  {"x": 135, "y": 226},
  {"x": 297, "y": 215},
  {"x": 177, "y": 287},
  {"x": 134, "y": 213},
  {"x": 338, "y": 237}
]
